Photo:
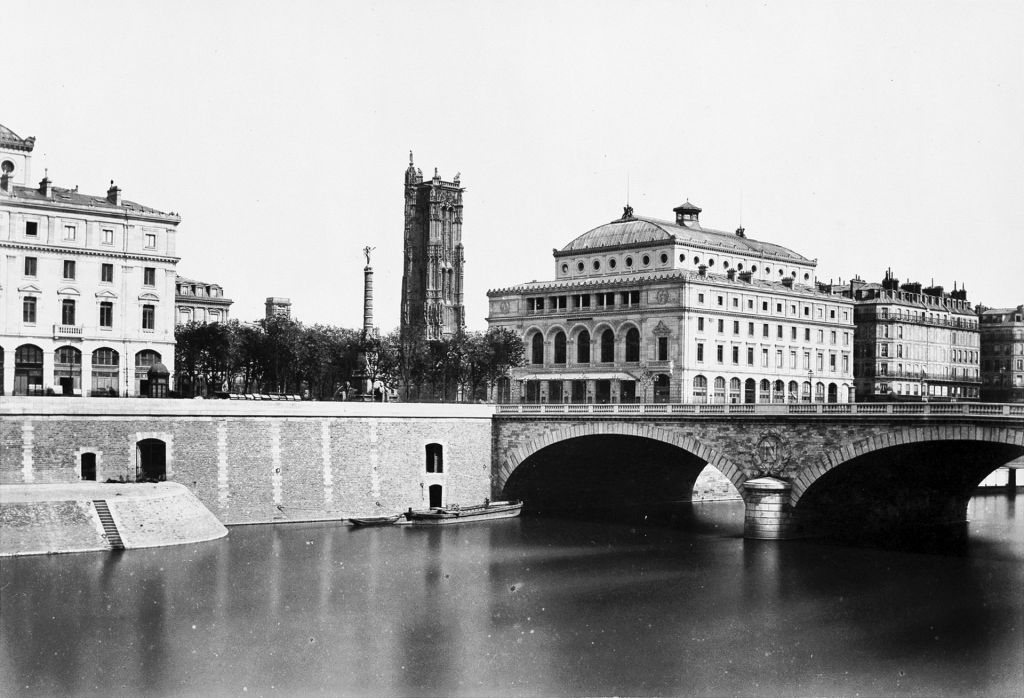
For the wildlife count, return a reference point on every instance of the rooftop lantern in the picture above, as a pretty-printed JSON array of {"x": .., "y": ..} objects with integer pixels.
[{"x": 687, "y": 214}]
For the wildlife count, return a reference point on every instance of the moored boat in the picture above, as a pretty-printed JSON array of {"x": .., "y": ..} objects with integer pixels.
[
  {"x": 375, "y": 520},
  {"x": 456, "y": 514}
]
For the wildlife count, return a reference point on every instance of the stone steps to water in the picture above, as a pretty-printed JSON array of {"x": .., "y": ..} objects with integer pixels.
[{"x": 109, "y": 527}]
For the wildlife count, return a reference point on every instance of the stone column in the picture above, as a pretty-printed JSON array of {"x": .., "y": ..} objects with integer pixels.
[
  {"x": 768, "y": 515},
  {"x": 8, "y": 376},
  {"x": 368, "y": 299}
]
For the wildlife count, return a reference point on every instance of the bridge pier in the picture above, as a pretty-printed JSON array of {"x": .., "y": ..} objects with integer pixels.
[{"x": 769, "y": 515}]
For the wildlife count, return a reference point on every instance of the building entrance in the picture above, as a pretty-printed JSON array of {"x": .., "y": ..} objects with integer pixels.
[{"x": 151, "y": 463}]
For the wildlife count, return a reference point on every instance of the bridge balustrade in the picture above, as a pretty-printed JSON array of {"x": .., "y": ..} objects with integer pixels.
[{"x": 848, "y": 408}]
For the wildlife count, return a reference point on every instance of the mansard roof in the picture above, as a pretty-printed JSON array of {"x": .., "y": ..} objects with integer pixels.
[
  {"x": 638, "y": 230},
  {"x": 73, "y": 197},
  {"x": 10, "y": 139}
]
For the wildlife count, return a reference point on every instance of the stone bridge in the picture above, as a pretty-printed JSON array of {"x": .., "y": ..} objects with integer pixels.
[{"x": 802, "y": 469}]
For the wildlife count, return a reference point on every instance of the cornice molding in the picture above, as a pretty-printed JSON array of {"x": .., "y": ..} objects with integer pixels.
[{"x": 42, "y": 247}]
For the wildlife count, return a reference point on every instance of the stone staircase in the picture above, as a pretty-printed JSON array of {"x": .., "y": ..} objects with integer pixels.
[{"x": 109, "y": 527}]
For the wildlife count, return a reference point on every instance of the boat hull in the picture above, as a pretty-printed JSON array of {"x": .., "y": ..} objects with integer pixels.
[
  {"x": 375, "y": 520},
  {"x": 443, "y": 517}
]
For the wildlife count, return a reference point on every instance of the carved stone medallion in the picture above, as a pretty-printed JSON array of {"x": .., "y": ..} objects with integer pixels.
[{"x": 771, "y": 454}]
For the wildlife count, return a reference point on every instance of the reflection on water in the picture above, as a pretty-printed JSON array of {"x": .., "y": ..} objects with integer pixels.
[{"x": 522, "y": 607}]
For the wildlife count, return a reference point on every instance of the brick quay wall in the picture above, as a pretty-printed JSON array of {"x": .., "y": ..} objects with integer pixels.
[{"x": 258, "y": 462}]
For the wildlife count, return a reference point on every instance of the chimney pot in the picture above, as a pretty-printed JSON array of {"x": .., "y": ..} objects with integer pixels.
[
  {"x": 702, "y": 269},
  {"x": 731, "y": 273},
  {"x": 46, "y": 187}
]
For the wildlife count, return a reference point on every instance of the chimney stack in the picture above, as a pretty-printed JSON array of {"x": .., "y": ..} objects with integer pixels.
[
  {"x": 114, "y": 194},
  {"x": 787, "y": 281},
  {"x": 46, "y": 187},
  {"x": 746, "y": 276},
  {"x": 731, "y": 273},
  {"x": 702, "y": 269}
]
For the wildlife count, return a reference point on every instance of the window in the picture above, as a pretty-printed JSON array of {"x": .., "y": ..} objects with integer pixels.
[
  {"x": 735, "y": 326},
  {"x": 735, "y": 302},
  {"x": 792, "y": 359},
  {"x": 69, "y": 269},
  {"x": 633, "y": 344},
  {"x": 28, "y": 309},
  {"x": 807, "y": 334},
  {"x": 70, "y": 232},
  {"x": 108, "y": 236},
  {"x": 700, "y": 324},
  {"x": 31, "y": 229},
  {"x": 148, "y": 276},
  {"x": 581, "y": 301},
  {"x": 764, "y": 305},
  {"x": 846, "y": 363},
  {"x": 537, "y": 349},
  {"x": 778, "y": 331},
  {"x": 832, "y": 339},
  {"x": 792, "y": 333},
  {"x": 151, "y": 241},
  {"x": 607, "y": 346},
  {"x": 720, "y": 351},
  {"x": 106, "y": 314},
  {"x": 764, "y": 358},
  {"x": 148, "y": 317},
  {"x": 735, "y": 355},
  {"x": 778, "y": 307},
  {"x": 560, "y": 348},
  {"x": 700, "y": 389},
  {"x": 107, "y": 273},
  {"x": 832, "y": 363},
  {"x": 721, "y": 300},
  {"x": 821, "y": 336},
  {"x": 700, "y": 351},
  {"x": 30, "y": 266},
  {"x": 662, "y": 348},
  {"x": 721, "y": 325},
  {"x": 750, "y": 329},
  {"x": 700, "y": 297},
  {"x": 764, "y": 330},
  {"x": 807, "y": 360},
  {"x": 67, "y": 312},
  {"x": 435, "y": 458},
  {"x": 750, "y": 356},
  {"x": 778, "y": 359},
  {"x": 820, "y": 362},
  {"x": 583, "y": 348}
]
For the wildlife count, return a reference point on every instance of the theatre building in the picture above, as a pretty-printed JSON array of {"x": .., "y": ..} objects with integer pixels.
[
  {"x": 87, "y": 287},
  {"x": 648, "y": 310}
]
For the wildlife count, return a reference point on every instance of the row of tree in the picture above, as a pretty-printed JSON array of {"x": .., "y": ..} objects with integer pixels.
[{"x": 323, "y": 362}]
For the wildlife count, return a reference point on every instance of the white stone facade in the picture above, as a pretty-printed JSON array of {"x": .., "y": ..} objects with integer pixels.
[
  {"x": 87, "y": 288},
  {"x": 636, "y": 314}
]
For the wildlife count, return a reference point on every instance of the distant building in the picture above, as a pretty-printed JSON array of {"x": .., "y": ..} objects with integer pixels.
[
  {"x": 1002, "y": 354},
  {"x": 87, "y": 286},
  {"x": 200, "y": 301},
  {"x": 648, "y": 310},
  {"x": 434, "y": 264},
  {"x": 912, "y": 342},
  {"x": 278, "y": 307}
]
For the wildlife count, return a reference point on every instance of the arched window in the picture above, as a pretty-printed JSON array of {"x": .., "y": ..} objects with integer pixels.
[
  {"x": 537, "y": 349},
  {"x": 67, "y": 371},
  {"x": 28, "y": 370},
  {"x": 734, "y": 390},
  {"x": 583, "y": 347},
  {"x": 833, "y": 392},
  {"x": 436, "y": 498},
  {"x": 105, "y": 367},
  {"x": 152, "y": 461},
  {"x": 720, "y": 389},
  {"x": 766, "y": 391},
  {"x": 700, "y": 389},
  {"x": 819, "y": 392},
  {"x": 633, "y": 344},
  {"x": 560, "y": 348},
  {"x": 794, "y": 391},
  {"x": 607, "y": 346},
  {"x": 805, "y": 393},
  {"x": 435, "y": 458},
  {"x": 779, "y": 394},
  {"x": 749, "y": 391}
]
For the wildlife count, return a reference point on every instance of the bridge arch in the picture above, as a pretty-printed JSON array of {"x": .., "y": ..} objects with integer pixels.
[
  {"x": 516, "y": 456},
  {"x": 836, "y": 457}
]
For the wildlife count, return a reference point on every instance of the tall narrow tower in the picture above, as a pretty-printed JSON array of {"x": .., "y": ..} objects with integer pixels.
[{"x": 432, "y": 276}]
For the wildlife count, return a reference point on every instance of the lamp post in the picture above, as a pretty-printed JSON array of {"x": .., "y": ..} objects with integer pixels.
[{"x": 810, "y": 383}]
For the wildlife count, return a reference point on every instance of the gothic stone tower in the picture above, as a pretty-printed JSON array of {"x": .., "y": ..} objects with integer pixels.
[{"x": 432, "y": 277}]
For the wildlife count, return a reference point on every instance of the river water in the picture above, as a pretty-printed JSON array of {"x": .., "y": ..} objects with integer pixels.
[{"x": 523, "y": 607}]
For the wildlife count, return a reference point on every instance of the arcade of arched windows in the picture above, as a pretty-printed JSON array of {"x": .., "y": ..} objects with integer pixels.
[
  {"x": 734, "y": 390},
  {"x": 605, "y": 345}
]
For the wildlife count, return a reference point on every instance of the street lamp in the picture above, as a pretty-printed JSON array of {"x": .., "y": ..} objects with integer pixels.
[{"x": 810, "y": 385}]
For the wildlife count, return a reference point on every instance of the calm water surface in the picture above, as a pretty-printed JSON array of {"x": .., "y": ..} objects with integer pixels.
[{"x": 522, "y": 607}]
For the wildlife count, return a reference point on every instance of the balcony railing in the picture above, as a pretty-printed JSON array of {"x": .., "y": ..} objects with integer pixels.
[
  {"x": 67, "y": 331},
  {"x": 975, "y": 409}
]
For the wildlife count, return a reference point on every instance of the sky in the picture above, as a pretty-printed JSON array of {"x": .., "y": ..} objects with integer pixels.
[{"x": 867, "y": 135}]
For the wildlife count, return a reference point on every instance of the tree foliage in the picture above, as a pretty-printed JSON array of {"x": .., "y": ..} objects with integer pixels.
[{"x": 323, "y": 362}]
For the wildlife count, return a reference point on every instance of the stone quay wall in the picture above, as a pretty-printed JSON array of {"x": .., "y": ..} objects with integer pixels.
[{"x": 258, "y": 462}]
